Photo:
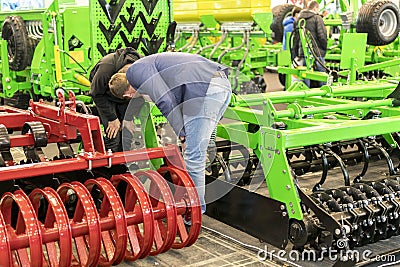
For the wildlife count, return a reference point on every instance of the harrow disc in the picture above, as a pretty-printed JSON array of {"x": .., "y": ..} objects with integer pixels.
[
  {"x": 185, "y": 190},
  {"x": 87, "y": 245},
  {"x": 161, "y": 198},
  {"x": 110, "y": 220},
  {"x": 136, "y": 202},
  {"x": 56, "y": 221}
]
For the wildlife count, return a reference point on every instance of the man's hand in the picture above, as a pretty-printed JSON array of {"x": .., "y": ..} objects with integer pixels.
[
  {"x": 129, "y": 125},
  {"x": 113, "y": 128}
]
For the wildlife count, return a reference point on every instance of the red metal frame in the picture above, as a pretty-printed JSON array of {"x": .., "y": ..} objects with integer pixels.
[
  {"x": 102, "y": 235},
  {"x": 61, "y": 124}
]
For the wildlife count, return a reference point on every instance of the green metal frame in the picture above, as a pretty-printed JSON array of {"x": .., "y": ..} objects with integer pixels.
[
  {"x": 76, "y": 37},
  {"x": 213, "y": 39},
  {"x": 304, "y": 115}
]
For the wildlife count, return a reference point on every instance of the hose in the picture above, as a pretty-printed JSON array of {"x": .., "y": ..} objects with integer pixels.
[
  {"x": 239, "y": 66},
  {"x": 233, "y": 48}
]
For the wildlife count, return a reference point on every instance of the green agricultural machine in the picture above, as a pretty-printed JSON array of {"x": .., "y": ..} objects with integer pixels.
[
  {"x": 42, "y": 50},
  {"x": 233, "y": 33},
  {"x": 330, "y": 160},
  {"x": 378, "y": 20}
]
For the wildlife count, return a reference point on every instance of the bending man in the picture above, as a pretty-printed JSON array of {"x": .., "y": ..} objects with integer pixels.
[
  {"x": 191, "y": 91},
  {"x": 111, "y": 109}
]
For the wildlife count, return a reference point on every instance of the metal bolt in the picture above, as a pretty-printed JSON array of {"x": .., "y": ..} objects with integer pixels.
[
  {"x": 291, "y": 204},
  {"x": 337, "y": 231},
  {"x": 269, "y": 155},
  {"x": 284, "y": 171},
  {"x": 262, "y": 132},
  {"x": 283, "y": 207},
  {"x": 261, "y": 147},
  {"x": 8, "y": 80},
  {"x": 288, "y": 187},
  {"x": 284, "y": 214},
  {"x": 293, "y": 212},
  {"x": 279, "y": 135},
  {"x": 278, "y": 152}
]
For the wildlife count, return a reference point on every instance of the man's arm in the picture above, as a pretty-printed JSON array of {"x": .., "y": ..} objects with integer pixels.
[
  {"x": 98, "y": 89},
  {"x": 321, "y": 32}
]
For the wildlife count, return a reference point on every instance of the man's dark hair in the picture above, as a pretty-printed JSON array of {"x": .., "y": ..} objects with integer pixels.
[
  {"x": 313, "y": 4},
  {"x": 296, "y": 10}
]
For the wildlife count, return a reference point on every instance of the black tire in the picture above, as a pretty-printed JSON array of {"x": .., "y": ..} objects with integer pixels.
[
  {"x": 19, "y": 100},
  {"x": 16, "y": 35},
  {"x": 280, "y": 13},
  {"x": 380, "y": 19},
  {"x": 31, "y": 49}
]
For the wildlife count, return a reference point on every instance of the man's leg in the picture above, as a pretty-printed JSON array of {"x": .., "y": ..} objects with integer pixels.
[
  {"x": 199, "y": 129},
  {"x": 320, "y": 68}
]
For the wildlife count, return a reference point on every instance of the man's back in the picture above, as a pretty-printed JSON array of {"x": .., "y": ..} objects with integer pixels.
[{"x": 316, "y": 28}]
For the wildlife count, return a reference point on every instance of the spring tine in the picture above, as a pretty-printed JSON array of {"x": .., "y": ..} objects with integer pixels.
[
  {"x": 325, "y": 167},
  {"x": 342, "y": 165},
  {"x": 387, "y": 157},
  {"x": 366, "y": 158}
]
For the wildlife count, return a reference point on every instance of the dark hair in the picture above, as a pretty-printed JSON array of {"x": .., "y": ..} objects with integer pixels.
[
  {"x": 296, "y": 10},
  {"x": 313, "y": 4}
]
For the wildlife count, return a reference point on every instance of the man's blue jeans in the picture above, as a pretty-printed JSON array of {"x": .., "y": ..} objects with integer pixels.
[{"x": 198, "y": 129}]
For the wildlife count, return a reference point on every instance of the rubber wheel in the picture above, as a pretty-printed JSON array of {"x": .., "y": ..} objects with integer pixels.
[
  {"x": 380, "y": 19},
  {"x": 14, "y": 31},
  {"x": 280, "y": 13}
]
